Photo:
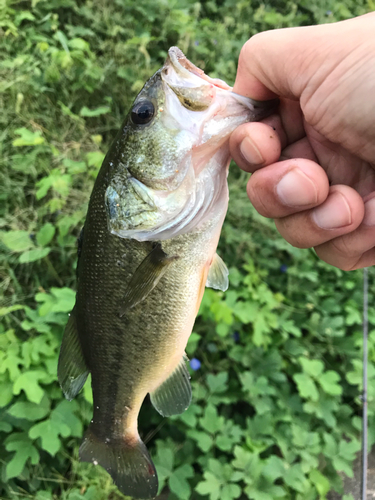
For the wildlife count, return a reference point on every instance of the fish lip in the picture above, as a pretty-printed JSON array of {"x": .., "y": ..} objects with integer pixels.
[
  {"x": 181, "y": 64},
  {"x": 184, "y": 68}
]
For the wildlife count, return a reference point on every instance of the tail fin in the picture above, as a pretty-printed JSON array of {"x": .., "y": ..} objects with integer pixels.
[{"x": 127, "y": 461}]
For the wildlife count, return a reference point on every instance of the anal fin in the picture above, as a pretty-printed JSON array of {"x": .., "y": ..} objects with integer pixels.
[
  {"x": 218, "y": 274},
  {"x": 72, "y": 371},
  {"x": 146, "y": 277},
  {"x": 173, "y": 396}
]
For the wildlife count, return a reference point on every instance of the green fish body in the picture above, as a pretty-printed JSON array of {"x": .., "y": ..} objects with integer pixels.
[{"x": 146, "y": 254}]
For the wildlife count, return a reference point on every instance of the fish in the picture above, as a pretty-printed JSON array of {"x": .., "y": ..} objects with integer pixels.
[{"x": 145, "y": 255}]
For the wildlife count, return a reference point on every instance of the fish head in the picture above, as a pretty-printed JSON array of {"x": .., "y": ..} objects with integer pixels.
[{"x": 174, "y": 151}]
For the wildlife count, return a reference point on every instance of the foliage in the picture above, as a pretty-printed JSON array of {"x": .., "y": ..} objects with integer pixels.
[{"x": 277, "y": 371}]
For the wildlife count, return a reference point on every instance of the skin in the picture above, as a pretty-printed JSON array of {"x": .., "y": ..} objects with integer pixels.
[{"x": 313, "y": 163}]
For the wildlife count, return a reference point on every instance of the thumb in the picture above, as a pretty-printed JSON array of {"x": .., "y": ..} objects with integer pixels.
[{"x": 293, "y": 62}]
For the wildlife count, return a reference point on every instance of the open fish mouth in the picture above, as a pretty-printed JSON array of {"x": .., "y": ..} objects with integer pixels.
[
  {"x": 170, "y": 187},
  {"x": 182, "y": 65},
  {"x": 197, "y": 95}
]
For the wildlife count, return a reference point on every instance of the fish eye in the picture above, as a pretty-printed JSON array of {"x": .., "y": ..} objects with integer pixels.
[{"x": 142, "y": 112}]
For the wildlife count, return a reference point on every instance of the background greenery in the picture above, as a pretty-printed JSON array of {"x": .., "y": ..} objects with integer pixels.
[{"x": 276, "y": 402}]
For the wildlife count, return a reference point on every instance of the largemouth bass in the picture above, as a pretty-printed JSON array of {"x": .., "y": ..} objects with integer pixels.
[{"x": 147, "y": 252}]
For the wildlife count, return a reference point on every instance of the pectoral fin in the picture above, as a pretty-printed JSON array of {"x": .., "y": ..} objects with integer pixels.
[
  {"x": 72, "y": 370},
  {"x": 146, "y": 277},
  {"x": 174, "y": 395},
  {"x": 218, "y": 274}
]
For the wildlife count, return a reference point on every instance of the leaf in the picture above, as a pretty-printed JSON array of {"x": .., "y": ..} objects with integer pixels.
[
  {"x": 95, "y": 159},
  {"x": 230, "y": 491},
  {"x": 5, "y": 427},
  {"x": 329, "y": 382},
  {"x": 217, "y": 383},
  {"x": 29, "y": 383},
  {"x": 45, "y": 234},
  {"x": 313, "y": 367},
  {"x": 33, "y": 255},
  {"x": 101, "y": 110},
  {"x": 30, "y": 411},
  {"x": 49, "y": 432},
  {"x": 294, "y": 477},
  {"x": 65, "y": 297},
  {"x": 65, "y": 413},
  {"x": 274, "y": 468},
  {"x": 28, "y": 138},
  {"x": 74, "y": 167},
  {"x": 320, "y": 482},
  {"x": 210, "y": 486},
  {"x": 204, "y": 441},
  {"x": 178, "y": 483},
  {"x": 306, "y": 386},
  {"x": 17, "y": 241},
  {"x": 6, "y": 393},
  {"x": 245, "y": 311},
  {"x": 210, "y": 421},
  {"x": 24, "y": 449},
  {"x": 6, "y": 310}
]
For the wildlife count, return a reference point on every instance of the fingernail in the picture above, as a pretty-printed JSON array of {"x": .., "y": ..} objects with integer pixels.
[
  {"x": 250, "y": 152},
  {"x": 369, "y": 218},
  {"x": 296, "y": 189},
  {"x": 333, "y": 213}
]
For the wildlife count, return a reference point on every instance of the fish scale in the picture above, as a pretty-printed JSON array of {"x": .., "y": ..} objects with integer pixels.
[{"x": 146, "y": 253}]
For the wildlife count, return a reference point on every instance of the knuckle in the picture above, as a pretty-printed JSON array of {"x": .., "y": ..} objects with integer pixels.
[
  {"x": 257, "y": 197},
  {"x": 292, "y": 231}
]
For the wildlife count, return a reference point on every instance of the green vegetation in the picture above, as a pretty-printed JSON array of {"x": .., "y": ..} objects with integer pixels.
[{"x": 276, "y": 402}]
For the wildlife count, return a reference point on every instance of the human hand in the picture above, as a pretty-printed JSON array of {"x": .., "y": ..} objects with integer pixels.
[{"x": 313, "y": 163}]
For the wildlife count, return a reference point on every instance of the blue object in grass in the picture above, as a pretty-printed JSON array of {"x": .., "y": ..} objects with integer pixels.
[{"x": 195, "y": 364}]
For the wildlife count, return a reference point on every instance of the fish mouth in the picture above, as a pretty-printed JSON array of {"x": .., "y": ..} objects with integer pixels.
[
  {"x": 181, "y": 64},
  {"x": 196, "y": 95}
]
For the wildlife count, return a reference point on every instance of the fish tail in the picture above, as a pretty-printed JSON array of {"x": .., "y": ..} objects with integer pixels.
[{"x": 126, "y": 460}]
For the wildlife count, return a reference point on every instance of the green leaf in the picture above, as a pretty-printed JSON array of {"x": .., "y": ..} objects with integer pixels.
[
  {"x": 230, "y": 491},
  {"x": 204, "y": 441},
  {"x": 329, "y": 382},
  {"x": 274, "y": 468},
  {"x": 6, "y": 393},
  {"x": 6, "y": 310},
  {"x": 49, "y": 432},
  {"x": 65, "y": 413},
  {"x": 178, "y": 483},
  {"x": 295, "y": 478},
  {"x": 45, "y": 234},
  {"x": 95, "y": 159},
  {"x": 313, "y": 367},
  {"x": 217, "y": 383},
  {"x": 306, "y": 386},
  {"x": 101, "y": 110},
  {"x": 29, "y": 383},
  {"x": 320, "y": 482},
  {"x": 24, "y": 449},
  {"x": 33, "y": 255},
  {"x": 30, "y": 411},
  {"x": 28, "y": 138},
  {"x": 17, "y": 241},
  {"x": 74, "y": 167},
  {"x": 210, "y": 421},
  {"x": 210, "y": 486},
  {"x": 65, "y": 297},
  {"x": 5, "y": 427}
]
